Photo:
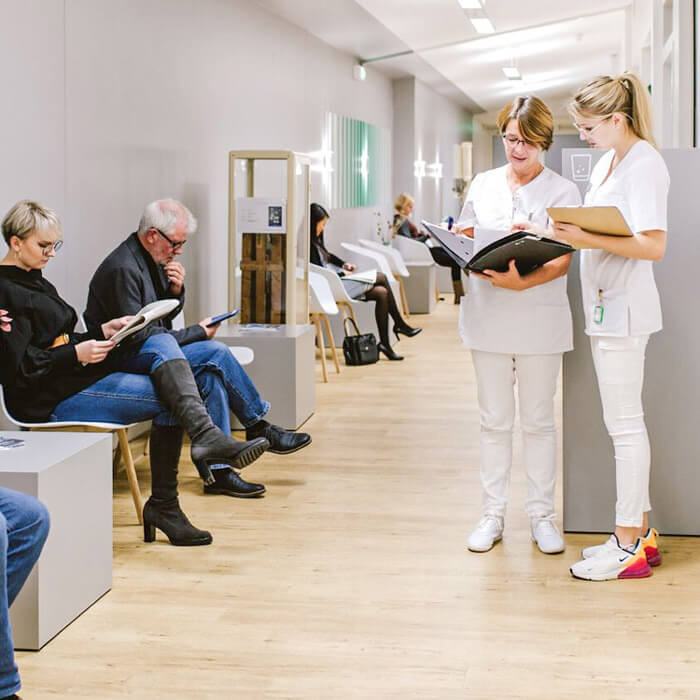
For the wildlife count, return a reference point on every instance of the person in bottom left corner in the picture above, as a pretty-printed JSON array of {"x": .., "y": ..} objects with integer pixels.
[{"x": 24, "y": 527}]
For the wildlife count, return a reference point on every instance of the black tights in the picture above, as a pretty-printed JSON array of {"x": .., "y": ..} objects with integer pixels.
[
  {"x": 444, "y": 260},
  {"x": 385, "y": 306}
]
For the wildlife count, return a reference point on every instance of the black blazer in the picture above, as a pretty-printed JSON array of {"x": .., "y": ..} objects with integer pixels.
[{"x": 126, "y": 281}]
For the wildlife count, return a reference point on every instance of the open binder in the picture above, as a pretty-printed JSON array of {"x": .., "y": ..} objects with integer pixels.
[{"x": 527, "y": 249}]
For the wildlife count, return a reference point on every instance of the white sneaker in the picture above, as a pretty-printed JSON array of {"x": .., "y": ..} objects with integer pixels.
[
  {"x": 610, "y": 545},
  {"x": 547, "y": 536},
  {"x": 614, "y": 563},
  {"x": 487, "y": 533}
]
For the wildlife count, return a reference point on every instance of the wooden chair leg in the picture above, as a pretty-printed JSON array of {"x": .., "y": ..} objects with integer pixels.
[
  {"x": 321, "y": 345},
  {"x": 437, "y": 291},
  {"x": 334, "y": 350},
  {"x": 404, "y": 298},
  {"x": 131, "y": 473}
]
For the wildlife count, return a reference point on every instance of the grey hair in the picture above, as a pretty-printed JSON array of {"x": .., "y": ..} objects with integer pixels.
[
  {"x": 164, "y": 214},
  {"x": 27, "y": 217}
]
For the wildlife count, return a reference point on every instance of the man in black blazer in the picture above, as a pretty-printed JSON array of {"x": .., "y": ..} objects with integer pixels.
[{"x": 143, "y": 269}]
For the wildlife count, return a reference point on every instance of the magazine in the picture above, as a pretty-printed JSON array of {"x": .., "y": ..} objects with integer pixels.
[{"x": 148, "y": 314}]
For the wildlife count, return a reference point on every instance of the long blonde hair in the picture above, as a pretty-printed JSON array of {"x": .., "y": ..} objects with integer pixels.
[{"x": 625, "y": 94}]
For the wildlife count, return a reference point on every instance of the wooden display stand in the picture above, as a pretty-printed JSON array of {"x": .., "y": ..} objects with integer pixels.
[{"x": 269, "y": 259}]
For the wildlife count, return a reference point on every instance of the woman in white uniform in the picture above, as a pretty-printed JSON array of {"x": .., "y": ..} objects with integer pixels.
[
  {"x": 517, "y": 327},
  {"x": 621, "y": 304}
]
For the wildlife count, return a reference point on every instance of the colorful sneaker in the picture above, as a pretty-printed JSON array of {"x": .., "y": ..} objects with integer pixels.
[
  {"x": 613, "y": 563},
  {"x": 649, "y": 542},
  {"x": 487, "y": 533},
  {"x": 651, "y": 547}
]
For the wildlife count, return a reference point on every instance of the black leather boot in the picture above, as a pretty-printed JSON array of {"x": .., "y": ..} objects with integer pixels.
[
  {"x": 162, "y": 509},
  {"x": 177, "y": 389},
  {"x": 282, "y": 442}
]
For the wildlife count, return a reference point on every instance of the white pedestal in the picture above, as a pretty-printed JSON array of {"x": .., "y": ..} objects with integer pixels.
[
  {"x": 420, "y": 287},
  {"x": 71, "y": 474},
  {"x": 283, "y": 369}
]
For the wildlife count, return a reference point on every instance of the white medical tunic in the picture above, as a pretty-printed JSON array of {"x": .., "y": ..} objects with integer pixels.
[
  {"x": 623, "y": 287},
  {"x": 535, "y": 321}
]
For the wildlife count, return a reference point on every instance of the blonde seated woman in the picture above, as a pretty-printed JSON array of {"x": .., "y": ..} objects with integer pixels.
[{"x": 403, "y": 226}]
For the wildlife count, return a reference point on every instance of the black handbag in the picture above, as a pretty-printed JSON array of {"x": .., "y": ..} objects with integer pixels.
[{"x": 359, "y": 349}]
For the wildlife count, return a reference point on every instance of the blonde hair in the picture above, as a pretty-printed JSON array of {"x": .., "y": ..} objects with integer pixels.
[
  {"x": 402, "y": 200},
  {"x": 534, "y": 119},
  {"x": 626, "y": 94},
  {"x": 27, "y": 217}
]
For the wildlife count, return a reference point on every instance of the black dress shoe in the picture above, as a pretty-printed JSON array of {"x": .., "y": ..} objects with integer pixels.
[
  {"x": 406, "y": 330},
  {"x": 390, "y": 354},
  {"x": 282, "y": 442},
  {"x": 229, "y": 483}
]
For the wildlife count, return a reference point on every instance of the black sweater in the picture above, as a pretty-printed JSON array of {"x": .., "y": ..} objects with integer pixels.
[
  {"x": 34, "y": 378},
  {"x": 321, "y": 256}
]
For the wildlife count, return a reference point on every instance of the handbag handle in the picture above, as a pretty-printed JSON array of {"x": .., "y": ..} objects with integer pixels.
[{"x": 352, "y": 320}]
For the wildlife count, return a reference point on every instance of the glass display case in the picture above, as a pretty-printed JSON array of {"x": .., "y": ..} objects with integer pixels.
[{"x": 269, "y": 236}]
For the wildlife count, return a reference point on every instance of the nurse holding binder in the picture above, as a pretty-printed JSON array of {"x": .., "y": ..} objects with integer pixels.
[
  {"x": 621, "y": 303},
  {"x": 518, "y": 327}
]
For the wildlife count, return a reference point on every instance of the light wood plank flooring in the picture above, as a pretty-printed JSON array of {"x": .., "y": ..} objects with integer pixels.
[{"x": 351, "y": 579}]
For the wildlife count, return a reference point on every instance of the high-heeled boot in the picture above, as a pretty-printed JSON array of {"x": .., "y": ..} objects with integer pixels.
[
  {"x": 162, "y": 509},
  {"x": 177, "y": 389},
  {"x": 458, "y": 290}
]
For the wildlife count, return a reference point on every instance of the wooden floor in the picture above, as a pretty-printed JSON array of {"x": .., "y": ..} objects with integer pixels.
[{"x": 351, "y": 578}]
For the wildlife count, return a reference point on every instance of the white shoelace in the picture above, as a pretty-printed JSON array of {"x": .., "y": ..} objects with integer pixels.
[{"x": 484, "y": 523}]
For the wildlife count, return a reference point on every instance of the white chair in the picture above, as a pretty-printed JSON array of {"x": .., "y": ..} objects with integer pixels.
[
  {"x": 362, "y": 312},
  {"x": 321, "y": 304},
  {"x": 367, "y": 258},
  {"x": 89, "y": 426},
  {"x": 421, "y": 287},
  {"x": 397, "y": 264}
]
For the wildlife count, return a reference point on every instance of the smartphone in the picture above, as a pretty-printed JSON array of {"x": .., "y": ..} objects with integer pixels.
[{"x": 222, "y": 317}]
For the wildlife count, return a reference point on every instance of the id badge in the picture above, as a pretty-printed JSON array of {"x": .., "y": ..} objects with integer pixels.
[{"x": 598, "y": 313}]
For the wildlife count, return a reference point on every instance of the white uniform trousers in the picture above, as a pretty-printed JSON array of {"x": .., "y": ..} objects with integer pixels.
[
  {"x": 496, "y": 374},
  {"x": 619, "y": 364}
]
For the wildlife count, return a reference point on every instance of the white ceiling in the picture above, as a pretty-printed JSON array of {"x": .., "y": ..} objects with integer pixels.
[{"x": 556, "y": 45}]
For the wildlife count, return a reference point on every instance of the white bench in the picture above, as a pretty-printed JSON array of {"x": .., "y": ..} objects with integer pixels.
[{"x": 71, "y": 474}]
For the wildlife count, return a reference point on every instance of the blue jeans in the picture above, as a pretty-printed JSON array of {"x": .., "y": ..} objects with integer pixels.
[
  {"x": 129, "y": 396},
  {"x": 24, "y": 525}
]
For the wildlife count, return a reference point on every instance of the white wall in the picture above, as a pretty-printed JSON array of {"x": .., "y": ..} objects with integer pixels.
[
  {"x": 156, "y": 94},
  {"x": 428, "y": 126}
]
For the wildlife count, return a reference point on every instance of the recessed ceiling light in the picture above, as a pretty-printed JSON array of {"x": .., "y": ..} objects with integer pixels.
[
  {"x": 482, "y": 25},
  {"x": 470, "y": 4},
  {"x": 512, "y": 73}
]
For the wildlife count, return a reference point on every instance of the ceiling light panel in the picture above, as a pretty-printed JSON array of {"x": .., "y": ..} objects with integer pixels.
[
  {"x": 482, "y": 25},
  {"x": 470, "y": 4},
  {"x": 511, "y": 72}
]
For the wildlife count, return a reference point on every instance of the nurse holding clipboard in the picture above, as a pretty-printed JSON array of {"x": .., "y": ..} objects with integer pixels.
[
  {"x": 517, "y": 327},
  {"x": 621, "y": 304}
]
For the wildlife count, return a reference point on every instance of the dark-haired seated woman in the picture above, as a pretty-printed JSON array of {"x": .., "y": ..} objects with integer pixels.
[
  {"x": 51, "y": 373},
  {"x": 380, "y": 292}
]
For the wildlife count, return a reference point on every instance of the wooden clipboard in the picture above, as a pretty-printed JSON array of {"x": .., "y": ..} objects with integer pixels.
[{"x": 606, "y": 220}]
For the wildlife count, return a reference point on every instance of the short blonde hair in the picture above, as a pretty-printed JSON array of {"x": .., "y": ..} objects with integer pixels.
[
  {"x": 534, "y": 119},
  {"x": 27, "y": 217},
  {"x": 604, "y": 96},
  {"x": 402, "y": 200}
]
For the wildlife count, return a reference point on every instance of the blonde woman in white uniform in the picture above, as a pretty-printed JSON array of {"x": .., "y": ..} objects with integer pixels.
[
  {"x": 621, "y": 304},
  {"x": 518, "y": 327}
]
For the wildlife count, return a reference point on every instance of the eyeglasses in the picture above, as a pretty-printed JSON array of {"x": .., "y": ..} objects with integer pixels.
[
  {"x": 175, "y": 246},
  {"x": 588, "y": 130},
  {"x": 513, "y": 141},
  {"x": 48, "y": 248}
]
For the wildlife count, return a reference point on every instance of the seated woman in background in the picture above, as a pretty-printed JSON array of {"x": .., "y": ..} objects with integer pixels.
[
  {"x": 51, "y": 373},
  {"x": 380, "y": 291},
  {"x": 404, "y": 227}
]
